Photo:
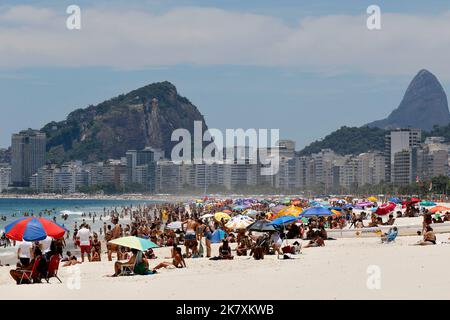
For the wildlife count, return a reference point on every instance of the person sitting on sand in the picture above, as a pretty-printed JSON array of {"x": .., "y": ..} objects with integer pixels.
[
  {"x": 17, "y": 273},
  {"x": 71, "y": 262},
  {"x": 390, "y": 221},
  {"x": 429, "y": 238},
  {"x": 177, "y": 262},
  {"x": 316, "y": 242},
  {"x": 390, "y": 235},
  {"x": 225, "y": 251},
  {"x": 134, "y": 260},
  {"x": 373, "y": 221}
]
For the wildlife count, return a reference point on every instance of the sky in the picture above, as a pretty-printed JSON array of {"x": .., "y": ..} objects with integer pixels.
[{"x": 304, "y": 67}]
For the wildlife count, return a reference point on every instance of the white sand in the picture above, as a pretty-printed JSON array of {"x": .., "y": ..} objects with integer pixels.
[{"x": 337, "y": 271}]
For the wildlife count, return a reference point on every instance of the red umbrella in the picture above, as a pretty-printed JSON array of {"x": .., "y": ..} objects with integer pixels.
[
  {"x": 33, "y": 229},
  {"x": 385, "y": 208}
]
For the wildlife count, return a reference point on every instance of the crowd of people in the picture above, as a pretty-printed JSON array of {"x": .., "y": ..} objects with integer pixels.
[{"x": 194, "y": 235}]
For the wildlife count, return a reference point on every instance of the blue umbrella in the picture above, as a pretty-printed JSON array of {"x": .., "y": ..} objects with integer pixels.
[
  {"x": 281, "y": 221},
  {"x": 316, "y": 211},
  {"x": 395, "y": 200}
]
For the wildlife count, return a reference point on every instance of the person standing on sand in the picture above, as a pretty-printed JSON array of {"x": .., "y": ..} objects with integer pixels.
[
  {"x": 115, "y": 233},
  {"x": 190, "y": 240},
  {"x": 84, "y": 238}
]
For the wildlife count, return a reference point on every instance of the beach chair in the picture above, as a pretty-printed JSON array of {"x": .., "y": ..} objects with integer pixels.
[
  {"x": 53, "y": 267},
  {"x": 127, "y": 269},
  {"x": 30, "y": 274}
]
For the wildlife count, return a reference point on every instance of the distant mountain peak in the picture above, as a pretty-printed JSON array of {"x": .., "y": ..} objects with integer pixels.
[{"x": 423, "y": 105}]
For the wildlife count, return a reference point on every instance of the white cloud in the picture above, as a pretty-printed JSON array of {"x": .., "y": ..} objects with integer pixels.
[{"x": 32, "y": 36}]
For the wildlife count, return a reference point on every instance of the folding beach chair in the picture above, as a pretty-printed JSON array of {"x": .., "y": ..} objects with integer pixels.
[
  {"x": 53, "y": 267},
  {"x": 30, "y": 274},
  {"x": 127, "y": 269}
]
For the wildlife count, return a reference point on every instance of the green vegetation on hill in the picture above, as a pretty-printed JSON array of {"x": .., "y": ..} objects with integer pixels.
[{"x": 349, "y": 140}]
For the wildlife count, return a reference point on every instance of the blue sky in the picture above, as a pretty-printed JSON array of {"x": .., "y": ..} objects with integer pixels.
[{"x": 225, "y": 56}]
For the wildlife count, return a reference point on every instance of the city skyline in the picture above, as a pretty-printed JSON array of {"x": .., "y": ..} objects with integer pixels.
[{"x": 230, "y": 87}]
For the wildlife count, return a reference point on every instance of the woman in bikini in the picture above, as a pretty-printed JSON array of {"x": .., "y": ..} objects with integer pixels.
[{"x": 177, "y": 262}]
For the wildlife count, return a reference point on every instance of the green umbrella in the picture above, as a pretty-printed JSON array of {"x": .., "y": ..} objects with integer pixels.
[{"x": 134, "y": 243}]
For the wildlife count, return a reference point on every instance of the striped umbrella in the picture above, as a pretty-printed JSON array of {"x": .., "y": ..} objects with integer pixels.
[
  {"x": 33, "y": 229},
  {"x": 134, "y": 243}
]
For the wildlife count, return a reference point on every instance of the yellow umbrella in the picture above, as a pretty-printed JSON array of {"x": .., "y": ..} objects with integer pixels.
[
  {"x": 336, "y": 212},
  {"x": 289, "y": 211},
  {"x": 372, "y": 198},
  {"x": 221, "y": 215}
]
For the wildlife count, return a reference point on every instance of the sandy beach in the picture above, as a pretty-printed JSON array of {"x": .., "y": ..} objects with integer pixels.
[{"x": 337, "y": 271}]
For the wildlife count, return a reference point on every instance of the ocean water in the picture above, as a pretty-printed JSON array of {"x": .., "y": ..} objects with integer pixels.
[{"x": 15, "y": 208}]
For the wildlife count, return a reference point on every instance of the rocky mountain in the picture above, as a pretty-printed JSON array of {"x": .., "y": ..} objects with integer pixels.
[
  {"x": 423, "y": 105},
  {"x": 145, "y": 117}
]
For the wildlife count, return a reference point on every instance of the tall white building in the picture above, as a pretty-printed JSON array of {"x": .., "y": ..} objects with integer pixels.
[{"x": 401, "y": 157}]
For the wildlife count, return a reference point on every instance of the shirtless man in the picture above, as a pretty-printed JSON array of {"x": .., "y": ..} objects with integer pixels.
[
  {"x": 190, "y": 240},
  {"x": 115, "y": 233}
]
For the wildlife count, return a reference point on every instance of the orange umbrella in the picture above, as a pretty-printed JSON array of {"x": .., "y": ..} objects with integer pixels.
[{"x": 438, "y": 209}]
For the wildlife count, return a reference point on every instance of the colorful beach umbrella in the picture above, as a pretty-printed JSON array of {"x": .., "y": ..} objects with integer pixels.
[
  {"x": 282, "y": 221},
  {"x": 289, "y": 211},
  {"x": 221, "y": 215},
  {"x": 134, "y": 243},
  {"x": 438, "y": 209},
  {"x": 372, "y": 198},
  {"x": 427, "y": 203},
  {"x": 33, "y": 229},
  {"x": 316, "y": 211},
  {"x": 385, "y": 208}
]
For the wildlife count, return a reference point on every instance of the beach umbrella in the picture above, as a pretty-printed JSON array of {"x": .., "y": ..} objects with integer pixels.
[
  {"x": 336, "y": 212},
  {"x": 438, "y": 209},
  {"x": 395, "y": 200},
  {"x": 372, "y": 198},
  {"x": 341, "y": 201},
  {"x": 385, "y": 208},
  {"x": 227, "y": 211},
  {"x": 364, "y": 203},
  {"x": 261, "y": 226},
  {"x": 282, "y": 221},
  {"x": 174, "y": 225},
  {"x": 134, "y": 243},
  {"x": 277, "y": 208},
  {"x": 206, "y": 216},
  {"x": 289, "y": 211},
  {"x": 427, "y": 203},
  {"x": 33, "y": 229},
  {"x": 316, "y": 211},
  {"x": 221, "y": 215},
  {"x": 239, "y": 222},
  {"x": 250, "y": 212}
]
